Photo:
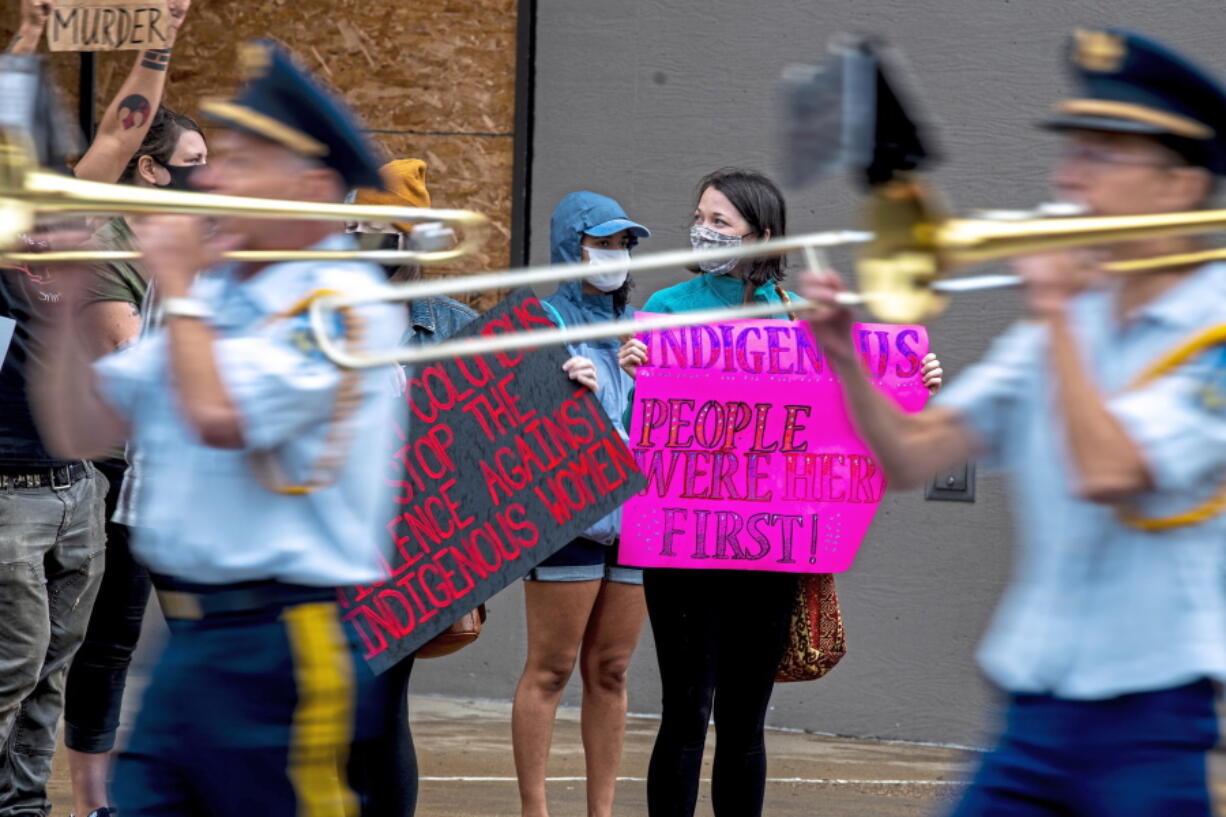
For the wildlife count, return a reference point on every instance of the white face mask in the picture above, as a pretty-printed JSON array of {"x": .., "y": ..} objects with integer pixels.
[{"x": 610, "y": 279}]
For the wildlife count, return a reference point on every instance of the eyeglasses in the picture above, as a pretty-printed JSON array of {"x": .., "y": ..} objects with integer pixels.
[{"x": 1099, "y": 156}]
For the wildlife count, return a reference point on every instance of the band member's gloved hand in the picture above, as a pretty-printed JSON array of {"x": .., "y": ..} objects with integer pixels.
[
  {"x": 831, "y": 322},
  {"x": 581, "y": 370},
  {"x": 1051, "y": 279},
  {"x": 932, "y": 373},
  {"x": 632, "y": 355}
]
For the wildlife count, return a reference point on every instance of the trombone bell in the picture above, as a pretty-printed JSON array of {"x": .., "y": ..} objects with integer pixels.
[{"x": 896, "y": 270}]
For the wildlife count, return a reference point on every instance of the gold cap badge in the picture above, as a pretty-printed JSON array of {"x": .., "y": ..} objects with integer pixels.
[
  {"x": 1099, "y": 51},
  {"x": 253, "y": 61}
]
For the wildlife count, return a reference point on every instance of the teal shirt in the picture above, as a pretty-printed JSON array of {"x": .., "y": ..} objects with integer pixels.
[
  {"x": 706, "y": 292},
  {"x": 710, "y": 291}
]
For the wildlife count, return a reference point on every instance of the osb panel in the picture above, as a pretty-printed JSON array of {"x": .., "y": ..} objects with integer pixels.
[{"x": 431, "y": 79}]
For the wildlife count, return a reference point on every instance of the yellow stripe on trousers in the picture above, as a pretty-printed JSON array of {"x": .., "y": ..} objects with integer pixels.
[{"x": 323, "y": 720}]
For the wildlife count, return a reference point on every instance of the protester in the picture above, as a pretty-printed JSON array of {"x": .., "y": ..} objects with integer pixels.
[
  {"x": 262, "y": 492},
  {"x": 1113, "y": 628},
  {"x": 51, "y": 535},
  {"x": 715, "y": 657},
  {"x": 130, "y": 117},
  {"x": 51, "y": 551},
  {"x": 111, "y": 316},
  {"x": 581, "y": 605},
  {"x": 430, "y": 320}
]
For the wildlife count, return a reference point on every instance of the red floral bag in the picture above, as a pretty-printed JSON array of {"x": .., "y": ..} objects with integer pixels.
[{"x": 816, "y": 640}]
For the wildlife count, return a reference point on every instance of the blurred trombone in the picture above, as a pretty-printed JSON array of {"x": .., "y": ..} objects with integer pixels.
[
  {"x": 902, "y": 270},
  {"x": 26, "y": 193}
]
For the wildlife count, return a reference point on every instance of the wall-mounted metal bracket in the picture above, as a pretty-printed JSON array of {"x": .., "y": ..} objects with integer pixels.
[{"x": 955, "y": 484}]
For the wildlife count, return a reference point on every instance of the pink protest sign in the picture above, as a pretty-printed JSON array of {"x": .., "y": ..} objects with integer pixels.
[{"x": 751, "y": 459}]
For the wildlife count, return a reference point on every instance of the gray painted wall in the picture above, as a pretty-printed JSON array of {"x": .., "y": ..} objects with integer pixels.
[{"x": 638, "y": 99}]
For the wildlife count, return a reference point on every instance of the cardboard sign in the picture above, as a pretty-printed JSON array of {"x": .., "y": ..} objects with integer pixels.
[
  {"x": 750, "y": 457},
  {"x": 108, "y": 25},
  {"x": 506, "y": 460}
]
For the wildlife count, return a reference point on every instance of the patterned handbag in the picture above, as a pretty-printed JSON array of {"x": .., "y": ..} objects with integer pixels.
[{"x": 815, "y": 635}]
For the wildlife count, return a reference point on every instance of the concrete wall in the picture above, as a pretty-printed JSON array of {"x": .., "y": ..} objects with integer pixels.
[{"x": 639, "y": 98}]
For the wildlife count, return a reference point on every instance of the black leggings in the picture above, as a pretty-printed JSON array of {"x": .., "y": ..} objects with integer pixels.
[
  {"x": 719, "y": 636},
  {"x": 99, "y": 672}
]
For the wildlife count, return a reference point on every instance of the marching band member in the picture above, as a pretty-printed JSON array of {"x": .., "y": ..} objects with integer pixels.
[
  {"x": 262, "y": 488},
  {"x": 112, "y": 310},
  {"x": 1113, "y": 628}
]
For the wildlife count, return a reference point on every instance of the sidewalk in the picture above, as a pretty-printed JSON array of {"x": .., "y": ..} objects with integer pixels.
[
  {"x": 464, "y": 750},
  {"x": 467, "y": 770}
]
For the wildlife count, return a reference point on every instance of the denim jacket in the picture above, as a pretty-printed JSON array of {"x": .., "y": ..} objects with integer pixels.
[{"x": 435, "y": 319}]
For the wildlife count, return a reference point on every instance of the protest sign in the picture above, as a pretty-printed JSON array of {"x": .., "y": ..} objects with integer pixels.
[
  {"x": 506, "y": 459},
  {"x": 108, "y": 25},
  {"x": 750, "y": 457}
]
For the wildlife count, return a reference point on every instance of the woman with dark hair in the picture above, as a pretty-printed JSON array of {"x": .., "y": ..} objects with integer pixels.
[
  {"x": 173, "y": 148},
  {"x": 110, "y": 316},
  {"x": 46, "y": 616},
  {"x": 716, "y": 657},
  {"x": 581, "y": 605}
]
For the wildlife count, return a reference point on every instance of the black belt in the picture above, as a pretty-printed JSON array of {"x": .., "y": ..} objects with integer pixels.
[
  {"x": 57, "y": 478},
  {"x": 194, "y": 601}
]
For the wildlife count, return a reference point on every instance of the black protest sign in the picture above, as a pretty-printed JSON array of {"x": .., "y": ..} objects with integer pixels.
[
  {"x": 109, "y": 25},
  {"x": 506, "y": 460}
]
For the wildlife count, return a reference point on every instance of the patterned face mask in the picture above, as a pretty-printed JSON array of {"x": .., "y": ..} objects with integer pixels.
[{"x": 704, "y": 238}]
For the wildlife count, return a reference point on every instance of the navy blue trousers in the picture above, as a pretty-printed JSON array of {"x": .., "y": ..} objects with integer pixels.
[
  {"x": 1141, "y": 755},
  {"x": 272, "y": 713}
]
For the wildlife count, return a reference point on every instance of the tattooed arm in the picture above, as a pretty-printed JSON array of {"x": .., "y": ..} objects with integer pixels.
[
  {"x": 34, "y": 14},
  {"x": 128, "y": 117}
]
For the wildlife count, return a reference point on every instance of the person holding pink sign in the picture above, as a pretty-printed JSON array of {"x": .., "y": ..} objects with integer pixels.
[
  {"x": 582, "y": 606},
  {"x": 720, "y": 634}
]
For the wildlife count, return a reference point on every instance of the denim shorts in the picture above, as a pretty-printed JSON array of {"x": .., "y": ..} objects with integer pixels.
[{"x": 584, "y": 560}]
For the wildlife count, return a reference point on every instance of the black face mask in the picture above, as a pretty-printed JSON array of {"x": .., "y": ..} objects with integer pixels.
[{"x": 180, "y": 177}]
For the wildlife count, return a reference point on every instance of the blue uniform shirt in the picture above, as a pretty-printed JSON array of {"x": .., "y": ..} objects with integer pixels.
[
  {"x": 204, "y": 516},
  {"x": 1096, "y": 609}
]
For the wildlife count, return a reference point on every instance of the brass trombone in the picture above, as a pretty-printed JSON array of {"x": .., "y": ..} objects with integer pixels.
[
  {"x": 27, "y": 192},
  {"x": 902, "y": 270}
]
